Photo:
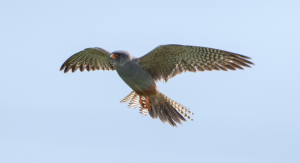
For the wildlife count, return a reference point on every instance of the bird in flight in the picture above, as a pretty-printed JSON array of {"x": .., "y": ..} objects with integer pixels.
[{"x": 162, "y": 63}]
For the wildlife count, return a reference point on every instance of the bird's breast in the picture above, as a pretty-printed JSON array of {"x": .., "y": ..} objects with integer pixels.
[{"x": 137, "y": 79}]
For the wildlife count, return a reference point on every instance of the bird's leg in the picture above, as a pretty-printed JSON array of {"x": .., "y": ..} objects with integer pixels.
[
  {"x": 148, "y": 103},
  {"x": 144, "y": 102},
  {"x": 145, "y": 105},
  {"x": 141, "y": 102}
]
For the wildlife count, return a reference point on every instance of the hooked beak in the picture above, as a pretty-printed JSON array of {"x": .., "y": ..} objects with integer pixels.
[{"x": 113, "y": 57}]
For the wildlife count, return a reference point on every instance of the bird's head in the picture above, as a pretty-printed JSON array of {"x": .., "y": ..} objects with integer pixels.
[{"x": 120, "y": 57}]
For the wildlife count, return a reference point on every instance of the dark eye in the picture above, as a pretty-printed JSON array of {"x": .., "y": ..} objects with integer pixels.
[{"x": 117, "y": 55}]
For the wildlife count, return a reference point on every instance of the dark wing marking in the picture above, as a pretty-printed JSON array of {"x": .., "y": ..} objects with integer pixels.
[
  {"x": 166, "y": 61},
  {"x": 90, "y": 59}
]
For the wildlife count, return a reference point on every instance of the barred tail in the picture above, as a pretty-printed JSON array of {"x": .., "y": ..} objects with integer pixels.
[
  {"x": 167, "y": 109},
  {"x": 161, "y": 106}
]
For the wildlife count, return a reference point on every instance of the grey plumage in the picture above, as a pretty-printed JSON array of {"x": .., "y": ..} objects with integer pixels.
[{"x": 162, "y": 63}]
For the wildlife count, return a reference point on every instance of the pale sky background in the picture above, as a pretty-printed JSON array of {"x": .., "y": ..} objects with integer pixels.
[{"x": 243, "y": 116}]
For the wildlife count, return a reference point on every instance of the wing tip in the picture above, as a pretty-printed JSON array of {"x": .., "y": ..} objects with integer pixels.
[{"x": 62, "y": 67}]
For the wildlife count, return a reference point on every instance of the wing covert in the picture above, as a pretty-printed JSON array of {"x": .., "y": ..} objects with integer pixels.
[
  {"x": 90, "y": 59},
  {"x": 166, "y": 61}
]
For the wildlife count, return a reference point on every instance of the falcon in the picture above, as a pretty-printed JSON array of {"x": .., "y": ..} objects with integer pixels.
[{"x": 162, "y": 63}]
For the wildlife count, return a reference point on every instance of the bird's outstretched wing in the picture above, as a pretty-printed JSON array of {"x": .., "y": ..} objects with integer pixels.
[
  {"x": 90, "y": 59},
  {"x": 166, "y": 61}
]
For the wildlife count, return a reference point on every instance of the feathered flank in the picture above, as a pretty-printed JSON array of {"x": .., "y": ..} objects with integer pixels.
[
  {"x": 167, "y": 61},
  {"x": 90, "y": 59}
]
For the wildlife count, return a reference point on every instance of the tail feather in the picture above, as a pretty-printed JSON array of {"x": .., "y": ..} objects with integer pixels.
[
  {"x": 133, "y": 99},
  {"x": 180, "y": 108},
  {"x": 128, "y": 97},
  {"x": 166, "y": 111},
  {"x": 162, "y": 107}
]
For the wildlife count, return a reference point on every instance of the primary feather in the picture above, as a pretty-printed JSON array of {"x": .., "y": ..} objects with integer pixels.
[
  {"x": 167, "y": 61},
  {"x": 90, "y": 59}
]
